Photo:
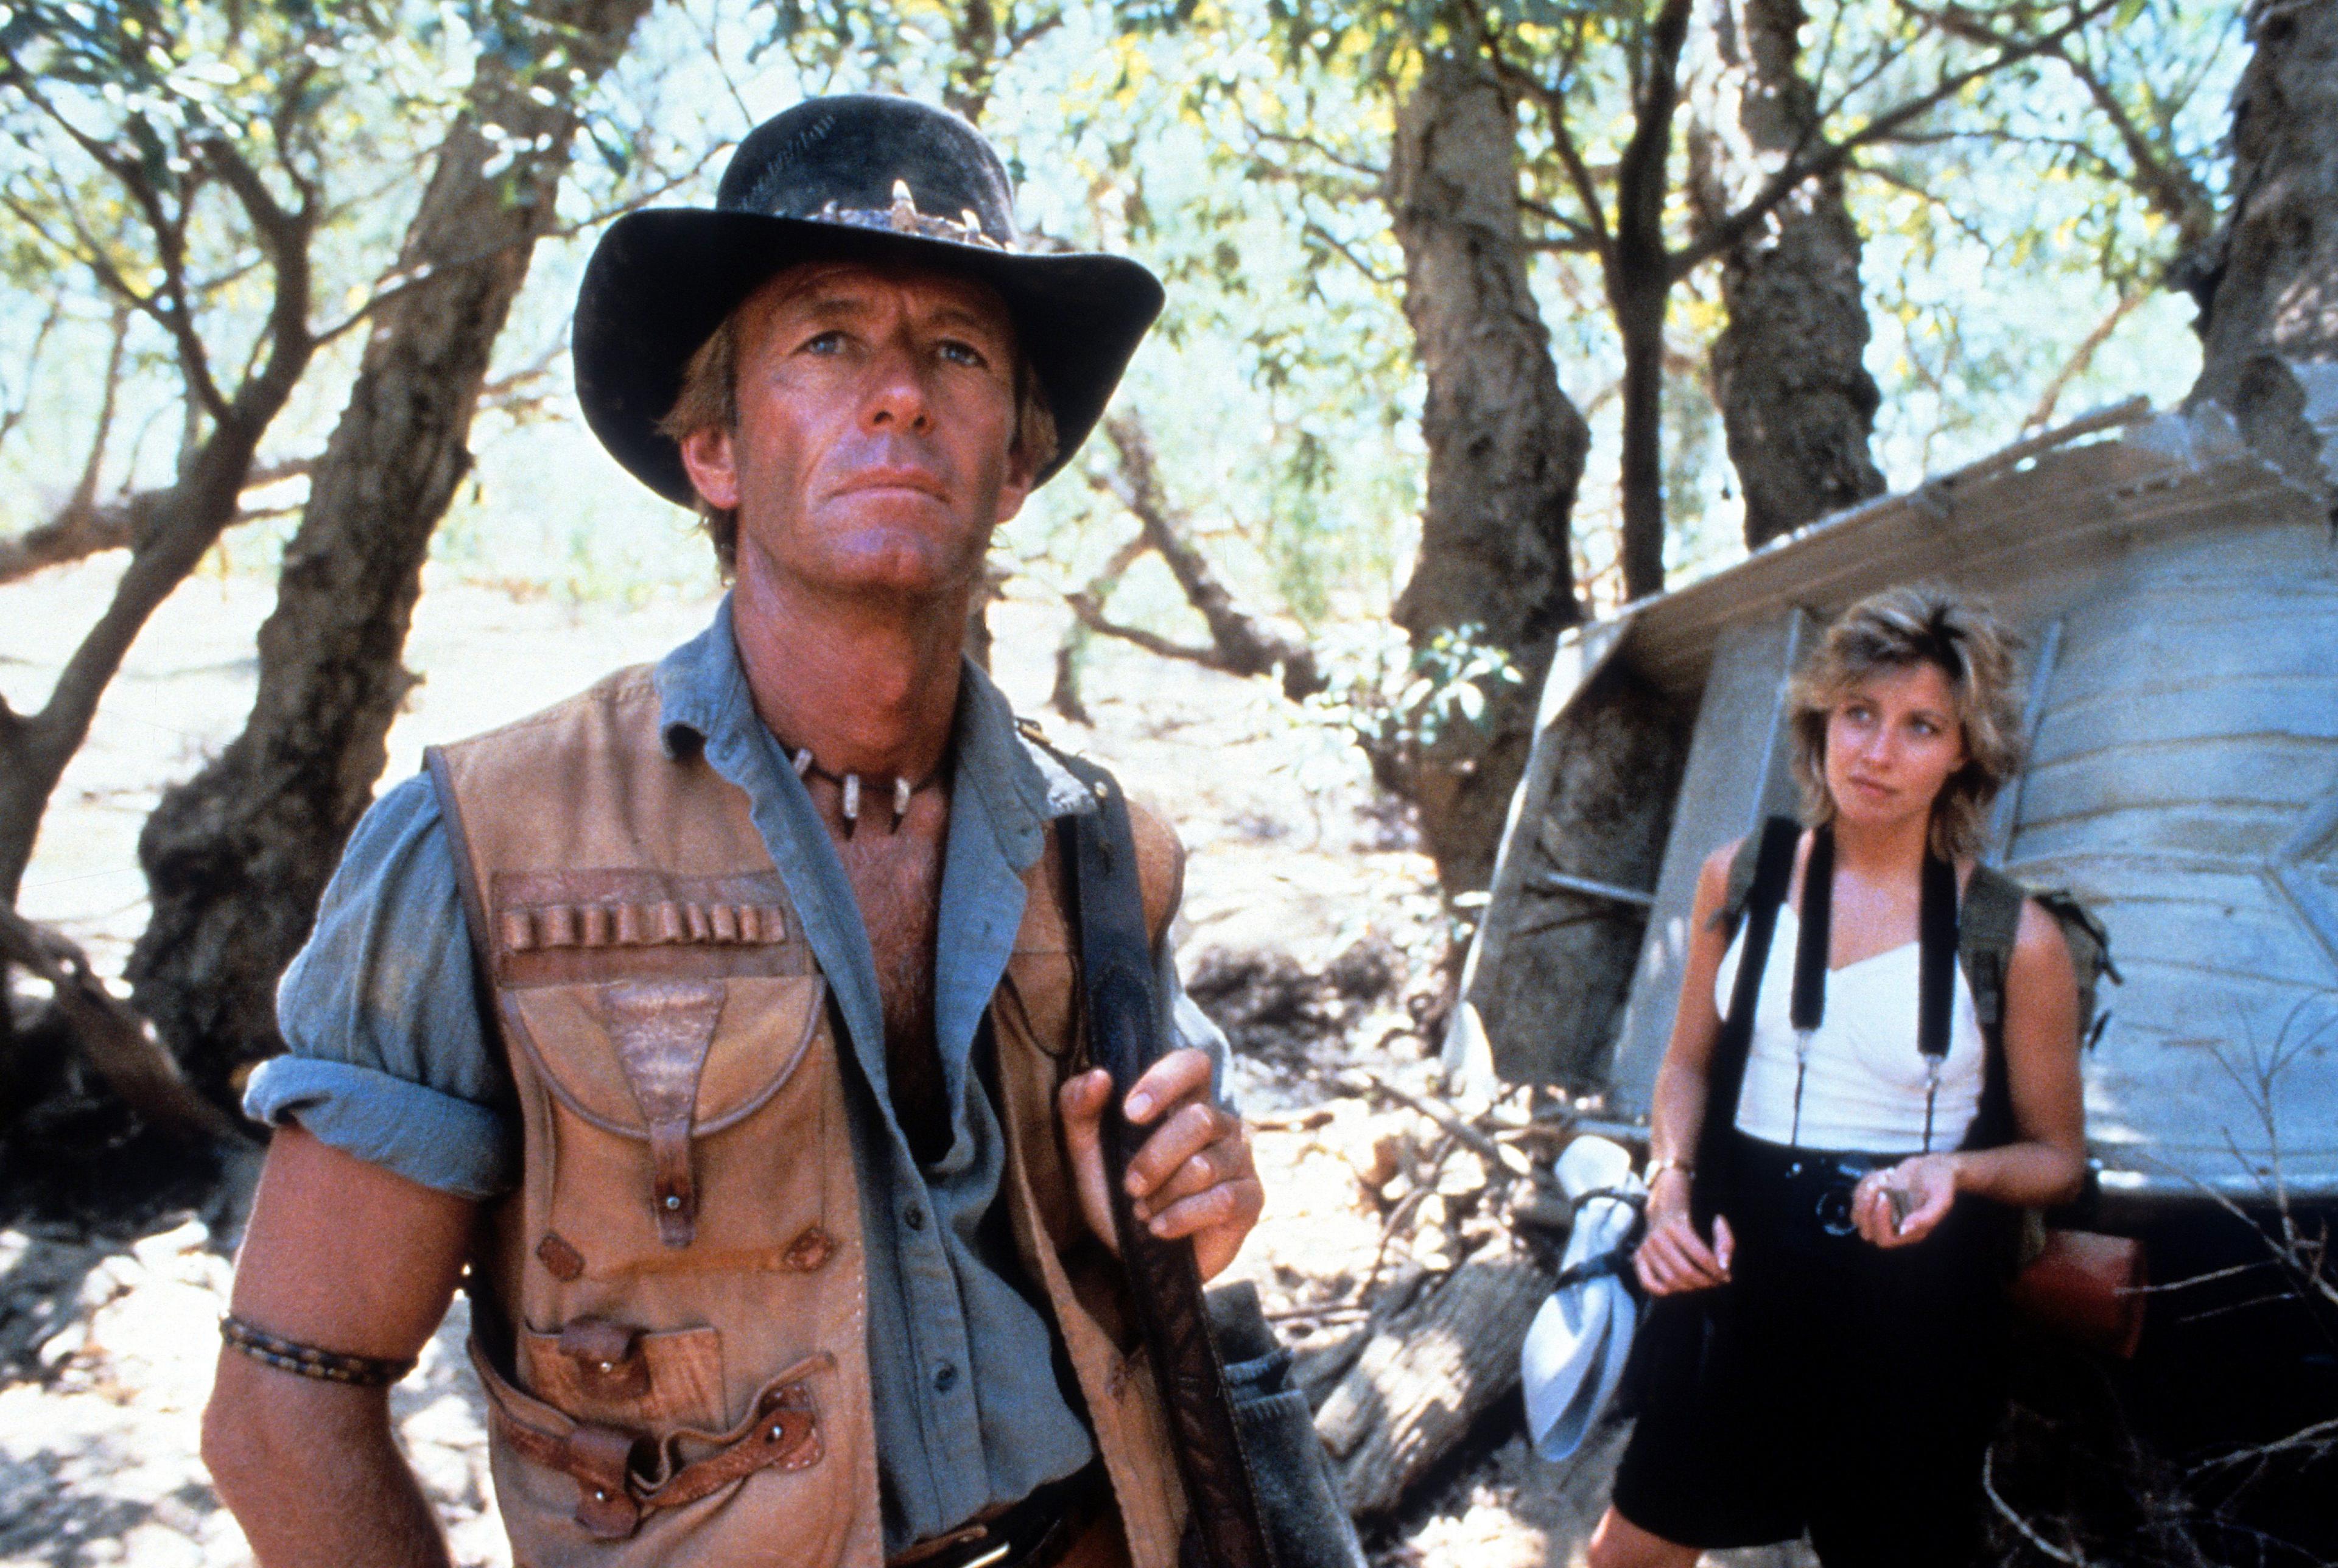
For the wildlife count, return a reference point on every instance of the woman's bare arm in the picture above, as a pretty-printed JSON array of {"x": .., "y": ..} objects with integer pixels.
[
  {"x": 2041, "y": 1067},
  {"x": 1673, "y": 1257},
  {"x": 344, "y": 1255}
]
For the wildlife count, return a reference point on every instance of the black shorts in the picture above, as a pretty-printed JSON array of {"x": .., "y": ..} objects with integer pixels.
[{"x": 1831, "y": 1386}]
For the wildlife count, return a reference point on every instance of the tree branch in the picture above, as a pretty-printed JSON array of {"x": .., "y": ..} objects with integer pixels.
[
  {"x": 1088, "y": 607},
  {"x": 2043, "y": 412},
  {"x": 1092, "y": 616},
  {"x": 1370, "y": 172},
  {"x": 1382, "y": 280},
  {"x": 1240, "y": 645},
  {"x": 2167, "y": 187},
  {"x": 1831, "y": 156},
  {"x": 85, "y": 526},
  {"x": 1551, "y": 98},
  {"x": 13, "y": 417}
]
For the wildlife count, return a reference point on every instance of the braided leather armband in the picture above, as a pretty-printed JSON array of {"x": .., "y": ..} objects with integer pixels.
[{"x": 307, "y": 1361}]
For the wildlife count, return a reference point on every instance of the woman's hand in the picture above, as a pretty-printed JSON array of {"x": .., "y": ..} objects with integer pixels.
[
  {"x": 1673, "y": 1257},
  {"x": 1924, "y": 1187}
]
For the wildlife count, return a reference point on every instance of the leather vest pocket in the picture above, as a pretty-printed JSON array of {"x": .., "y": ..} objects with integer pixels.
[
  {"x": 595, "y": 1370},
  {"x": 689, "y": 1124}
]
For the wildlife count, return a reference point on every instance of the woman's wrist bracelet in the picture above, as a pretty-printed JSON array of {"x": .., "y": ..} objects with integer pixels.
[{"x": 1663, "y": 1163}]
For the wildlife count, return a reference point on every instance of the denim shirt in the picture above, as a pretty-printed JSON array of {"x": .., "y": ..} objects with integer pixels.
[{"x": 387, "y": 1060}]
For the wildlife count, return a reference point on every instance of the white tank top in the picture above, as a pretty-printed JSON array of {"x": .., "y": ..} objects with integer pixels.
[{"x": 1865, "y": 1086}]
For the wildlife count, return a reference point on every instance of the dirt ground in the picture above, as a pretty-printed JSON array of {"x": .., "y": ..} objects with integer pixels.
[{"x": 1309, "y": 923}]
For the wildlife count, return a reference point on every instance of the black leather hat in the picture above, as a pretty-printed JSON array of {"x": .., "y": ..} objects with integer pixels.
[{"x": 854, "y": 177}]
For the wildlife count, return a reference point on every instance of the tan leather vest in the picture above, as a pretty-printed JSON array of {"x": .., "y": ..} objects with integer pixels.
[{"x": 672, "y": 1323}]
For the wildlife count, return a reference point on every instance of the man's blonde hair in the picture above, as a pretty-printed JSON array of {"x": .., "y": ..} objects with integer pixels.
[
  {"x": 710, "y": 398},
  {"x": 1896, "y": 630}
]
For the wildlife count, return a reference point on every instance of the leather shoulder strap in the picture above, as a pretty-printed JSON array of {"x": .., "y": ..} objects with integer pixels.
[{"x": 1115, "y": 949}]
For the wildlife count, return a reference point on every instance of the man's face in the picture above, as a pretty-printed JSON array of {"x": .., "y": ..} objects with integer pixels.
[{"x": 876, "y": 415}]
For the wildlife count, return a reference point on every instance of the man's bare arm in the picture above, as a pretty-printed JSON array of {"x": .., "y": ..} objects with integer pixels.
[{"x": 343, "y": 1256}]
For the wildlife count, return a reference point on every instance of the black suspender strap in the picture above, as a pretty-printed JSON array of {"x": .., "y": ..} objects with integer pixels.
[
  {"x": 1774, "y": 868},
  {"x": 1813, "y": 940},
  {"x": 1936, "y": 975},
  {"x": 1164, "y": 1286},
  {"x": 1936, "y": 968}
]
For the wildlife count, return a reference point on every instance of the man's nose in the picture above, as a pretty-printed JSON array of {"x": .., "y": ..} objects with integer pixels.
[{"x": 898, "y": 395}]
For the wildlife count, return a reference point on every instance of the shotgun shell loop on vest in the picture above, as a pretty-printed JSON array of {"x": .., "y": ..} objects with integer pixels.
[{"x": 668, "y": 921}]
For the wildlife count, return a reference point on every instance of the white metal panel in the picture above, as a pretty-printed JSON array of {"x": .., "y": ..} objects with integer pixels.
[
  {"x": 2188, "y": 741},
  {"x": 1739, "y": 771}
]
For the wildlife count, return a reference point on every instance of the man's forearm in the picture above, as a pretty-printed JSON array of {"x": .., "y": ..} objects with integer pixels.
[{"x": 312, "y": 1472}]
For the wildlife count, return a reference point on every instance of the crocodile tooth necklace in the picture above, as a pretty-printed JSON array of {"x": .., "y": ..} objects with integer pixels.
[{"x": 851, "y": 784}]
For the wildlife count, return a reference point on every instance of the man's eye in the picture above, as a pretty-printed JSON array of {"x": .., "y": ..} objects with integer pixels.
[
  {"x": 958, "y": 353},
  {"x": 826, "y": 343}
]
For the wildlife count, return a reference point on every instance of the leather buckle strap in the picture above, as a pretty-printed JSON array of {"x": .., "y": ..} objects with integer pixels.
[
  {"x": 614, "y": 1494},
  {"x": 1034, "y": 1532},
  {"x": 600, "y": 1459}
]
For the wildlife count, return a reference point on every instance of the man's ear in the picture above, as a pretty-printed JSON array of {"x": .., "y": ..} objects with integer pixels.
[
  {"x": 1014, "y": 488},
  {"x": 711, "y": 461}
]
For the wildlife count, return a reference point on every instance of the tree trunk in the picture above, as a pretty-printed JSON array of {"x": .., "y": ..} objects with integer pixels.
[
  {"x": 2268, "y": 283},
  {"x": 1641, "y": 300},
  {"x": 1639, "y": 273},
  {"x": 1506, "y": 448},
  {"x": 237, "y": 856},
  {"x": 1789, "y": 370},
  {"x": 1568, "y": 942}
]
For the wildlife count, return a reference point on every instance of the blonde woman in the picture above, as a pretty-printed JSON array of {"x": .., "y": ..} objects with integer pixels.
[{"x": 1827, "y": 1253}]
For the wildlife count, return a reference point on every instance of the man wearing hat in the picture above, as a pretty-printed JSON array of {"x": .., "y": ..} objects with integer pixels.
[{"x": 717, "y": 1029}]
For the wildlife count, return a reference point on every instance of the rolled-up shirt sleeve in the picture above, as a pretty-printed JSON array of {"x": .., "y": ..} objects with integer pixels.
[
  {"x": 1184, "y": 1023},
  {"x": 386, "y": 1056}
]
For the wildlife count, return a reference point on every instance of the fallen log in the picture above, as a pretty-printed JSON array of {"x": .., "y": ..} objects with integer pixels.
[
  {"x": 118, "y": 1042},
  {"x": 1429, "y": 1372}
]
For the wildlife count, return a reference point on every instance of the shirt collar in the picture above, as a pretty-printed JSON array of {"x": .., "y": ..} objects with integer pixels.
[{"x": 703, "y": 689}]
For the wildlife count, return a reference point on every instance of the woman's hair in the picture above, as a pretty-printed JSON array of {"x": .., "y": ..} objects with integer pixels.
[
  {"x": 710, "y": 396},
  {"x": 1891, "y": 630}
]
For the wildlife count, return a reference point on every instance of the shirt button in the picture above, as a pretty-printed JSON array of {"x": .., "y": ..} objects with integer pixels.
[
  {"x": 913, "y": 1217},
  {"x": 945, "y": 1378}
]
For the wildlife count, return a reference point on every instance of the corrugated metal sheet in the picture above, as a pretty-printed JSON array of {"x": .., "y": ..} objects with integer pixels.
[{"x": 2189, "y": 731}]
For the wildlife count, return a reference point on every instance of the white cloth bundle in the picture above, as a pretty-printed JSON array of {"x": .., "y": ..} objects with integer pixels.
[{"x": 1575, "y": 1351}]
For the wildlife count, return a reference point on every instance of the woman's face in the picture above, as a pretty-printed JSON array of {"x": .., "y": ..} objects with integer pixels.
[{"x": 1892, "y": 741}]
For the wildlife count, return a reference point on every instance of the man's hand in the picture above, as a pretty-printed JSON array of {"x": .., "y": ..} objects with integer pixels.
[{"x": 1195, "y": 1176}]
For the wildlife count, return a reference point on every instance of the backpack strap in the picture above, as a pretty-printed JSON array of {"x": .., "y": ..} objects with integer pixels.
[
  {"x": 1742, "y": 865},
  {"x": 1987, "y": 924},
  {"x": 2089, "y": 942},
  {"x": 1769, "y": 867}
]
